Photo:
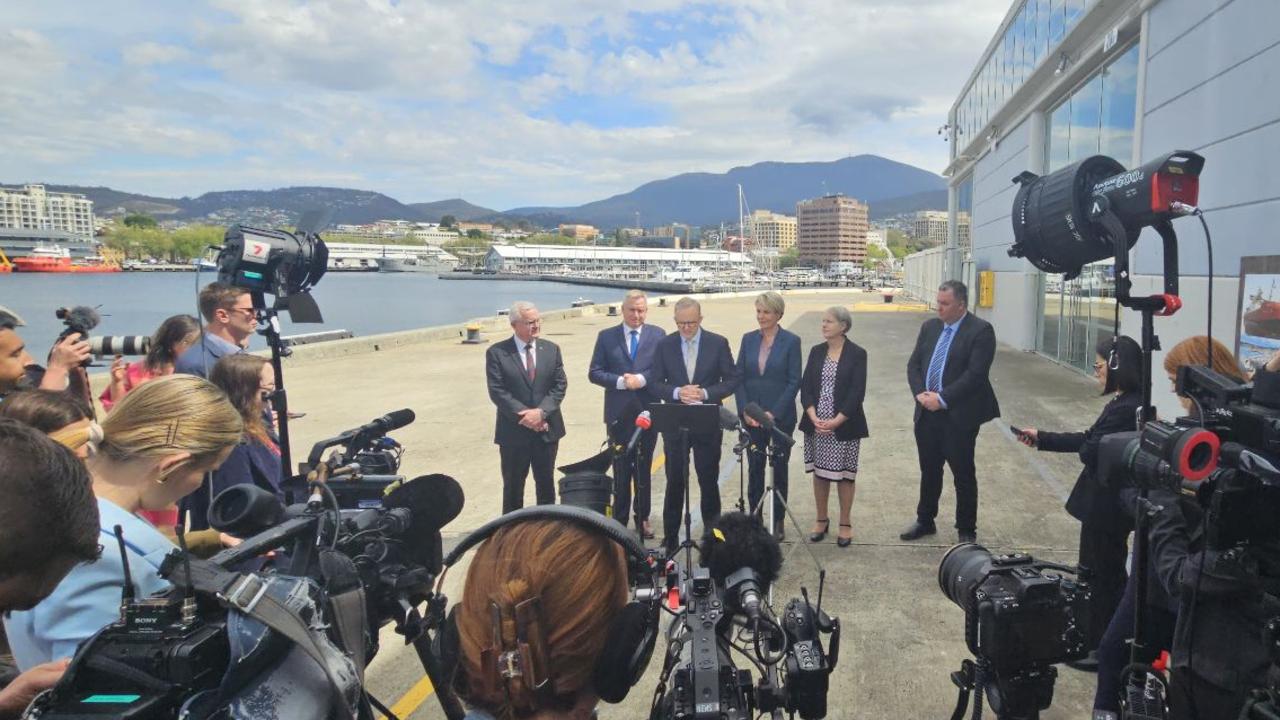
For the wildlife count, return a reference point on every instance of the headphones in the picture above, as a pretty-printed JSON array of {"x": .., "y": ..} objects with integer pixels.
[{"x": 632, "y": 634}]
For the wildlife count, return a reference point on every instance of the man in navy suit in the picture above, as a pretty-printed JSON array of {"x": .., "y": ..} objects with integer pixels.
[
  {"x": 621, "y": 364},
  {"x": 692, "y": 366}
]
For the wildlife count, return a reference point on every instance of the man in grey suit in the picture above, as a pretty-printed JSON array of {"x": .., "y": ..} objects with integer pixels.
[{"x": 527, "y": 383}]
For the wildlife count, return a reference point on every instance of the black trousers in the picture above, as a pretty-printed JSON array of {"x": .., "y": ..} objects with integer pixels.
[
  {"x": 1191, "y": 698},
  {"x": 763, "y": 453},
  {"x": 517, "y": 459},
  {"x": 1103, "y": 551},
  {"x": 636, "y": 467},
  {"x": 940, "y": 441},
  {"x": 706, "y": 464}
]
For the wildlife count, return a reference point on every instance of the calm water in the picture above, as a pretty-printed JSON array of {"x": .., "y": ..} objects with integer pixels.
[{"x": 364, "y": 303}]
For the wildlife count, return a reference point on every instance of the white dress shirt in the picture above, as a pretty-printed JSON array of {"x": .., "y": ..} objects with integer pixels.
[{"x": 626, "y": 346}]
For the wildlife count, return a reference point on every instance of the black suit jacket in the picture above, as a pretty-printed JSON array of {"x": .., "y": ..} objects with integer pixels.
[
  {"x": 511, "y": 391},
  {"x": 713, "y": 371},
  {"x": 1090, "y": 501},
  {"x": 966, "y": 387},
  {"x": 850, "y": 389},
  {"x": 611, "y": 359}
]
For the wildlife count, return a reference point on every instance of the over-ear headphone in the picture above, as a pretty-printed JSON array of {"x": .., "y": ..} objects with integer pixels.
[{"x": 632, "y": 634}]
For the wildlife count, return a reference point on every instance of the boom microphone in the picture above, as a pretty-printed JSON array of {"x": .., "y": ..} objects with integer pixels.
[
  {"x": 643, "y": 422},
  {"x": 757, "y": 413},
  {"x": 80, "y": 318},
  {"x": 393, "y": 420}
]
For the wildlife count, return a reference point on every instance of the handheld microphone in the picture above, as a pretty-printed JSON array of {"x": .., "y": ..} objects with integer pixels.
[
  {"x": 757, "y": 413},
  {"x": 728, "y": 420},
  {"x": 643, "y": 422}
]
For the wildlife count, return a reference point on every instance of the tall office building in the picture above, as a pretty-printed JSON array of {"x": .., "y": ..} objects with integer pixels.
[
  {"x": 772, "y": 231},
  {"x": 930, "y": 227},
  {"x": 832, "y": 228}
]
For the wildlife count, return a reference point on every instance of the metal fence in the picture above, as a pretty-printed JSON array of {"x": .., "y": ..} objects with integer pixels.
[{"x": 923, "y": 272}]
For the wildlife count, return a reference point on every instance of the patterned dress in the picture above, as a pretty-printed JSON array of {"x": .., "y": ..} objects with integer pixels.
[{"x": 825, "y": 456}]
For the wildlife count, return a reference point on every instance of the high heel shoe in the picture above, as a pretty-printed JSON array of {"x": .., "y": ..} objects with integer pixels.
[
  {"x": 820, "y": 536},
  {"x": 844, "y": 542}
]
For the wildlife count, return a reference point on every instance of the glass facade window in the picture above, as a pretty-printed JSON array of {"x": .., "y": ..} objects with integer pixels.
[
  {"x": 1035, "y": 30},
  {"x": 1098, "y": 118}
]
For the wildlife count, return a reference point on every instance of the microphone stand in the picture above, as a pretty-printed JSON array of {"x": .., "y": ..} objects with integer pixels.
[{"x": 771, "y": 495}]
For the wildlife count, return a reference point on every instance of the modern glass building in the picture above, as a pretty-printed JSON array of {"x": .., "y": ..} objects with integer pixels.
[{"x": 1062, "y": 80}]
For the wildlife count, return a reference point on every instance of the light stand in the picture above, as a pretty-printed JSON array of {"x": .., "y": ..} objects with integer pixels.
[{"x": 270, "y": 321}]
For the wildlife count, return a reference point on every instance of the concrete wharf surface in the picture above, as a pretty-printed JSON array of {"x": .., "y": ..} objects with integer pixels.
[{"x": 901, "y": 637}]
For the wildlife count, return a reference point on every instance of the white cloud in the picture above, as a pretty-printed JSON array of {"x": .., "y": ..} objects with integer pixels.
[{"x": 508, "y": 103}]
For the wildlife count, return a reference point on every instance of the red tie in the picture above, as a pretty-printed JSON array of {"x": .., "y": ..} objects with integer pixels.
[{"x": 528, "y": 362}]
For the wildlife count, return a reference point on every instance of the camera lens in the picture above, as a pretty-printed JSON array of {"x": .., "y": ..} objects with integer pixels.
[{"x": 961, "y": 571}]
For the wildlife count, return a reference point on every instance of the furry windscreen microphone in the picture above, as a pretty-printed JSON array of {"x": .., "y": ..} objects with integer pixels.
[
  {"x": 81, "y": 318},
  {"x": 737, "y": 540},
  {"x": 433, "y": 501}
]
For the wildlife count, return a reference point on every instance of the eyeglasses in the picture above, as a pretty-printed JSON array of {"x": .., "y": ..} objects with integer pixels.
[
  {"x": 248, "y": 310},
  {"x": 688, "y": 323},
  {"x": 1098, "y": 366}
]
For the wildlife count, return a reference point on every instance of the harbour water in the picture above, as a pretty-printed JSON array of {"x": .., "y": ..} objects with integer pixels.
[{"x": 364, "y": 303}]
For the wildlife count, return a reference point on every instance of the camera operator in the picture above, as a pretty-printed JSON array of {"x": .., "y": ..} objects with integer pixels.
[
  {"x": 1104, "y": 526},
  {"x": 158, "y": 443},
  {"x": 18, "y": 368},
  {"x": 1224, "y": 597},
  {"x": 557, "y": 587},
  {"x": 39, "y": 480}
]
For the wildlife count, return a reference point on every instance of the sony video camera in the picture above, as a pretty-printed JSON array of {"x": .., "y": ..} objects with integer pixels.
[
  {"x": 364, "y": 465},
  {"x": 726, "y": 609},
  {"x": 235, "y": 640},
  {"x": 1022, "y": 616}
]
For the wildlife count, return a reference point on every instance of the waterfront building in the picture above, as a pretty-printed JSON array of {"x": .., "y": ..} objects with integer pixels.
[
  {"x": 32, "y": 207},
  {"x": 772, "y": 231},
  {"x": 877, "y": 237},
  {"x": 349, "y": 256},
  {"x": 465, "y": 226},
  {"x": 1062, "y": 80},
  {"x": 603, "y": 261},
  {"x": 930, "y": 227},
  {"x": 585, "y": 233},
  {"x": 830, "y": 229}
]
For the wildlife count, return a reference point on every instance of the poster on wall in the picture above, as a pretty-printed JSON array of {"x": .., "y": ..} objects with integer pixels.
[{"x": 1258, "y": 310}]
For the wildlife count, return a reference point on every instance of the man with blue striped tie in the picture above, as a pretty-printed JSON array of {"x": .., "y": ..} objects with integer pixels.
[{"x": 948, "y": 376}]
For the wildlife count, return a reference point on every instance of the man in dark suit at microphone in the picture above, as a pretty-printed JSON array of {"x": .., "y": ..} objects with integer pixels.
[
  {"x": 621, "y": 364},
  {"x": 947, "y": 373},
  {"x": 692, "y": 366},
  {"x": 527, "y": 383}
]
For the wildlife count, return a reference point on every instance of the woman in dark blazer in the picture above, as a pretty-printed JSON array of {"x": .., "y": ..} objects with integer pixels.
[
  {"x": 769, "y": 364},
  {"x": 831, "y": 393},
  {"x": 1104, "y": 524},
  {"x": 248, "y": 381}
]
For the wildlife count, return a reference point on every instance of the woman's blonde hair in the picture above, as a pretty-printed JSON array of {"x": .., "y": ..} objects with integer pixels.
[
  {"x": 177, "y": 413},
  {"x": 772, "y": 302}
]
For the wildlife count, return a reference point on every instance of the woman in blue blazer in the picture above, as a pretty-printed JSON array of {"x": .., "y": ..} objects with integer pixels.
[{"x": 769, "y": 364}]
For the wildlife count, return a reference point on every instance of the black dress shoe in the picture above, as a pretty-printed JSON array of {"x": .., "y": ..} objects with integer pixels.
[
  {"x": 779, "y": 535},
  {"x": 844, "y": 542},
  {"x": 820, "y": 536},
  {"x": 918, "y": 530},
  {"x": 968, "y": 536},
  {"x": 1088, "y": 663}
]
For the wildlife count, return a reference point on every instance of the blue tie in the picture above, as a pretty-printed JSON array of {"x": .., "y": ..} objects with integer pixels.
[
  {"x": 635, "y": 343},
  {"x": 934, "y": 379}
]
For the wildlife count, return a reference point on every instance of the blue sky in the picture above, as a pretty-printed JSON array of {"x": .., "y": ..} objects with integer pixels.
[{"x": 538, "y": 102}]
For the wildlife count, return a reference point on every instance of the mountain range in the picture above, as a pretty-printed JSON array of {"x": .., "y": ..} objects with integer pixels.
[{"x": 889, "y": 188}]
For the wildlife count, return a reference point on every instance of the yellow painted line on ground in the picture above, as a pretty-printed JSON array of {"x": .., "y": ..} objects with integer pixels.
[
  {"x": 412, "y": 700},
  {"x": 658, "y": 462}
]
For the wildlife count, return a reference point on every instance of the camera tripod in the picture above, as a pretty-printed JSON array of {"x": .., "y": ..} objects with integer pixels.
[
  {"x": 1017, "y": 696},
  {"x": 772, "y": 497}
]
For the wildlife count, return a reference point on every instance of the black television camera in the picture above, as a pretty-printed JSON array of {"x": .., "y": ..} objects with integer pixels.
[
  {"x": 364, "y": 465},
  {"x": 726, "y": 610},
  {"x": 1022, "y": 616},
  {"x": 289, "y": 641}
]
